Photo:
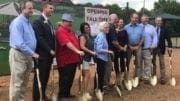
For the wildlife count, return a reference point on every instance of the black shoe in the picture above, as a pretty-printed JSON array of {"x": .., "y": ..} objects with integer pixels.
[
  {"x": 163, "y": 81},
  {"x": 146, "y": 81},
  {"x": 71, "y": 96},
  {"x": 109, "y": 87}
]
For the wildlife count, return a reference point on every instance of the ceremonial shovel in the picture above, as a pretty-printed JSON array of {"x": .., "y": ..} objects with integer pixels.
[
  {"x": 127, "y": 82},
  {"x": 54, "y": 98},
  {"x": 98, "y": 92},
  {"x": 82, "y": 94},
  {"x": 172, "y": 80},
  {"x": 135, "y": 80},
  {"x": 153, "y": 78},
  {"x": 38, "y": 80},
  {"x": 116, "y": 87}
]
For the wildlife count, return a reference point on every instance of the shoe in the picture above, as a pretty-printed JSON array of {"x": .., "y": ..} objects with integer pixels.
[
  {"x": 163, "y": 81},
  {"x": 108, "y": 88},
  {"x": 71, "y": 96},
  {"x": 47, "y": 99},
  {"x": 146, "y": 81}
]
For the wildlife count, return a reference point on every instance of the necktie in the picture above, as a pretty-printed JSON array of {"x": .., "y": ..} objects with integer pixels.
[{"x": 158, "y": 31}]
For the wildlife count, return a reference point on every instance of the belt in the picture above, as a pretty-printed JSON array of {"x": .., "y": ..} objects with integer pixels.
[
  {"x": 17, "y": 50},
  {"x": 146, "y": 49}
]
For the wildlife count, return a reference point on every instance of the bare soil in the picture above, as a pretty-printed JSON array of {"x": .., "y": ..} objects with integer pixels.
[{"x": 143, "y": 92}]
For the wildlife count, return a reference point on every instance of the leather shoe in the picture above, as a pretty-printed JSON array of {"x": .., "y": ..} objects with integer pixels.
[{"x": 163, "y": 81}]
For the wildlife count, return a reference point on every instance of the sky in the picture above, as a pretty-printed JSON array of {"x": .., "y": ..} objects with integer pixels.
[{"x": 135, "y": 4}]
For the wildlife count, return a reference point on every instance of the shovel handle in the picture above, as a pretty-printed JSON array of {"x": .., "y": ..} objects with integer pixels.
[
  {"x": 39, "y": 84},
  {"x": 170, "y": 53}
]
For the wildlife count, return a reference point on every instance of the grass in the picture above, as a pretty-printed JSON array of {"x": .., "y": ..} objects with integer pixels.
[
  {"x": 4, "y": 1},
  {"x": 4, "y": 64}
]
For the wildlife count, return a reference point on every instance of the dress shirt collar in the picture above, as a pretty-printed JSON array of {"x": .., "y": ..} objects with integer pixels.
[
  {"x": 45, "y": 17},
  {"x": 24, "y": 18},
  {"x": 132, "y": 25}
]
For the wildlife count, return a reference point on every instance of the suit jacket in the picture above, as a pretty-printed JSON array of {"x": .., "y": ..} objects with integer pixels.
[
  {"x": 45, "y": 37},
  {"x": 164, "y": 35}
]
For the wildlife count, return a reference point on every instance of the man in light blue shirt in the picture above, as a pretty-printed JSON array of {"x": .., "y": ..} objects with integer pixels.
[
  {"x": 136, "y": 39},
  {"x": 23, "y": 44},
  {"x": 150, "y": 42}
]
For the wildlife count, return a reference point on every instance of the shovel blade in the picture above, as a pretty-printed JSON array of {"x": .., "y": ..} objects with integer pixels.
[
  {"x": 54, "y": 98},
  {"x": 99, "y": 95},
  {"x": 172, "y": 81},
  {"x": 135, "y": 82},
  {"x": 118, "y": 91},
  {"x": 82, "y": 97},
  {"x": 153, "y": 80},
  {"x": 128, "y": 85}
]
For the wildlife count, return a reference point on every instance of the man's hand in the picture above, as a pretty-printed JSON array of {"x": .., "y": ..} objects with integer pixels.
[
  {"x": 35, "y": 55},
  {"x": 52, "y": 52}
]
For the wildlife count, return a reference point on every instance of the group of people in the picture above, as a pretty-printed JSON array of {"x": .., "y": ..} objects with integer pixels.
[{"x": 39, "y": 42}]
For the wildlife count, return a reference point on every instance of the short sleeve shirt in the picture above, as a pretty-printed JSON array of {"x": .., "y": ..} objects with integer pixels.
[{"x": 64, "y": 55}]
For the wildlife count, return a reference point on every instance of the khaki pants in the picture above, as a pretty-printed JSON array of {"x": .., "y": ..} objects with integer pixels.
[
  {"x": 161, "y": 63},
  {"x": 147, "y": 61},
  {"x": 20, "y": 66},
  {"x": 138, "y": 61}
]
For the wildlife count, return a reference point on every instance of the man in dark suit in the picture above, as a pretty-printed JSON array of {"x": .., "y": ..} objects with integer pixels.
[
  {"x": 163, "y": 35},
  {"x": 45, "y": 48}
]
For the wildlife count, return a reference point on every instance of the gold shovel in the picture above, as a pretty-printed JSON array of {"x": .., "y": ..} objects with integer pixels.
[
  {"x": 172, "y": 80},
  {"x": 39, "y": 82},
  {"x": 98, "y": 92},
  {"x": 52, "y": 94},
  {"x": 116, "y": 82},
  {"x": 127, "y": 82},
  {"x": 135, "y": 80},
  {"x": 82, "y": 94},
  {"x": 153, "y": 78}
]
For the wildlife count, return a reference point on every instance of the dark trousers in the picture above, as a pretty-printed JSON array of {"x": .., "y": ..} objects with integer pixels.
[
  {"x": 66, "y": 77},
  {"x": 101, "y": 73},
  {"x": 122, "y": 55},
  {"x": 44, "y": 66}
]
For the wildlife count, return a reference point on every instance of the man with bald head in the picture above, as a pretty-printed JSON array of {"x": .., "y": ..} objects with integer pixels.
[
  {"x": 163, "y": 35},
  {"x": 113, "y": 21},
  {"x": 150, "y": 42}
]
